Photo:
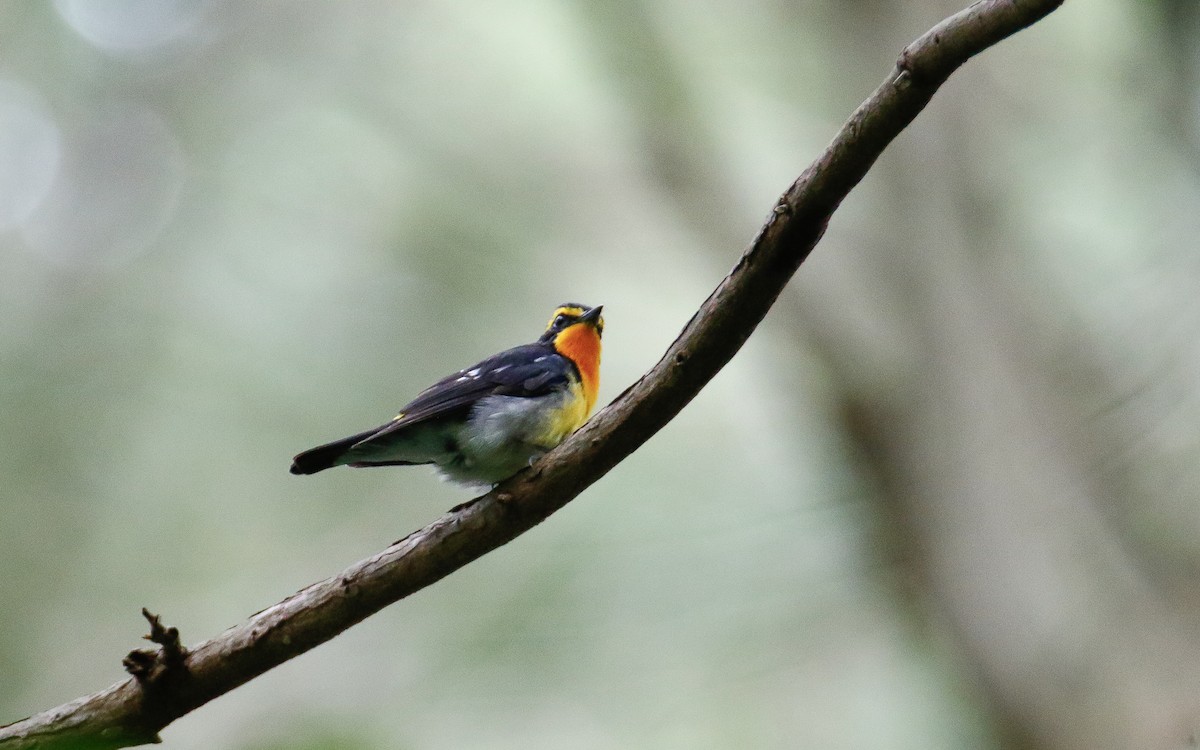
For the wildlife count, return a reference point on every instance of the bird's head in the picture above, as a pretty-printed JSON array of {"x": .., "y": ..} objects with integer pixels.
[{"x": 570, "y": 320}]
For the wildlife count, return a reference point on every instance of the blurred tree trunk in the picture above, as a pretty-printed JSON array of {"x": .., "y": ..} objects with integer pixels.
[
  {"x": 991, "y": 480},
  {"x": 1179, "y": 26}
]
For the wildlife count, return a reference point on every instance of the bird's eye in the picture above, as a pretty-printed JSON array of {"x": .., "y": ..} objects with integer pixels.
[{"x": 560, "y": 321}]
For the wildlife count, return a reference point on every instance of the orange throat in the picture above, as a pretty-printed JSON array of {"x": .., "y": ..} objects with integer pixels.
[{"x": 581, "y": 345}]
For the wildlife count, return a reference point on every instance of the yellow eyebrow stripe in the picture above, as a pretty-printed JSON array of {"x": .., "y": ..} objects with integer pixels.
[{"x": 573, "y": 312}]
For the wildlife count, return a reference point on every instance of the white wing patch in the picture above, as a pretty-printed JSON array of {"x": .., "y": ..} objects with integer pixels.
[{"x": 465, "y": 375}]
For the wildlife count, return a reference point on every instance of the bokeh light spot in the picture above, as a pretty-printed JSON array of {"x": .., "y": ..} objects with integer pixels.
[
  {"x": 30, "y": 151},
  {"x": 118, "y": 188},
  {"x": 130, "y": 25}
]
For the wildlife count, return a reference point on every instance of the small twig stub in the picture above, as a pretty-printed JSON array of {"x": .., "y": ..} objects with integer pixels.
[{"x": 150, "y": 666}]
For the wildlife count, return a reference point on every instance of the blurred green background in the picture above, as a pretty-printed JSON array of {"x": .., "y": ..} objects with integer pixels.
[{"x": 946, "y": 497}]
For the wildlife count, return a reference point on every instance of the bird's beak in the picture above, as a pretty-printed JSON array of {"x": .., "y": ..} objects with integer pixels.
[{"x": 592, "y": 317}]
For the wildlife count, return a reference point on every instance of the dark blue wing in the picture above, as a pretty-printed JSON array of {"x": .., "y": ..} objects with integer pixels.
[{"x": 530, "y": 370}]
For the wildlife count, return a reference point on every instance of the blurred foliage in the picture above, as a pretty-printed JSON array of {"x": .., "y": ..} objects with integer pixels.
[{"x": 229, "y": 231}]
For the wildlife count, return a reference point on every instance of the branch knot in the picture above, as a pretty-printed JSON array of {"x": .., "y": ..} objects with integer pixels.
[{"x": 151, "y": 666}]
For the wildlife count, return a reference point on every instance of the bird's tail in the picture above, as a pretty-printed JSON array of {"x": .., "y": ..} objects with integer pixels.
[{"x": 326, "y": 456}]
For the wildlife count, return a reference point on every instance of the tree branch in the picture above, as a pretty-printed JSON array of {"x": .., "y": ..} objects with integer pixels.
[{"x": 172, "y": 681}]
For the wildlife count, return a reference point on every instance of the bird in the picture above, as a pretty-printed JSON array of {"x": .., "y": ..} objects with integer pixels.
[{"x": 486, "y": 422}]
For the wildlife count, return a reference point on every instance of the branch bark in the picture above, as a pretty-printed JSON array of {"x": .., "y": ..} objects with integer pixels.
[{"x": 133, "y": 711}]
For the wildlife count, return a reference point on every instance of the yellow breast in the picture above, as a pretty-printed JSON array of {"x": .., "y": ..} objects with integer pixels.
[{"x": 569, "y": 417}]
